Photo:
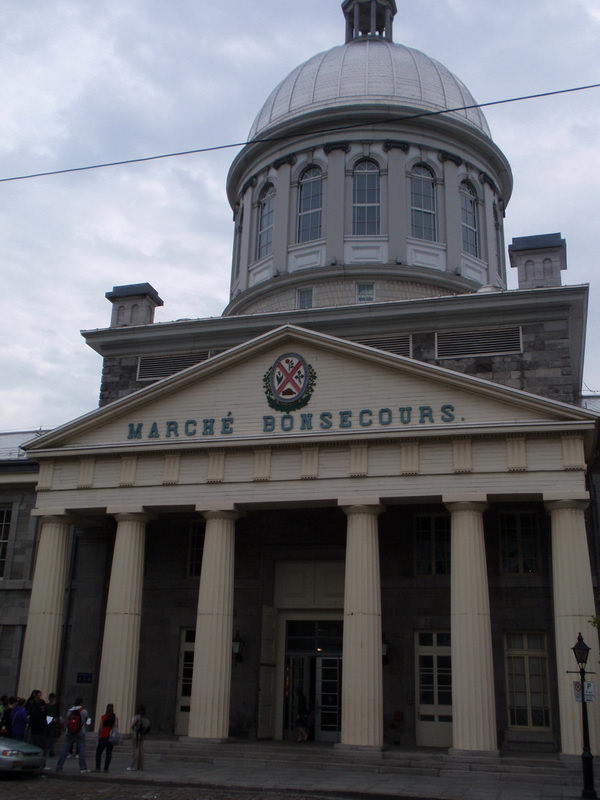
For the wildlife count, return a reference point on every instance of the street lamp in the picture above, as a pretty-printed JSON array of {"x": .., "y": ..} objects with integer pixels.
[{"x": 581, "y": 652}]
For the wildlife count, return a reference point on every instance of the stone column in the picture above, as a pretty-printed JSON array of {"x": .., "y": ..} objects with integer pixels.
[
  {"x": 573, "y": 607},
  {"x": 473, "y": 703},
  {"x": 362, "y": 692},
  {"x": 211, "y": 681},
  {"x": 41, "y": 648},
  {"x": 117, "y": 682}
]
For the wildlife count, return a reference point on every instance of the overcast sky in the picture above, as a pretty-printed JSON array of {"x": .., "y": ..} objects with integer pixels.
[{"x": 87, "y": 82}]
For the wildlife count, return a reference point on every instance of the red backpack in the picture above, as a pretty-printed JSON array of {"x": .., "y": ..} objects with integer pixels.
[{"x": 74, "y": 721}]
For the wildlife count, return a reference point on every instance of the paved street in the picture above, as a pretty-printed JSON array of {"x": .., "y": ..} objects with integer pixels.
[{"x": 87, "y": 787}]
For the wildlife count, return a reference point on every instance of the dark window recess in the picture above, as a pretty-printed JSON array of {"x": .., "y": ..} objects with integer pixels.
[
  {"x": 152, "y": 368},
  {"x": 498, "y": 341},
  {"x": 400, "y": 345}
]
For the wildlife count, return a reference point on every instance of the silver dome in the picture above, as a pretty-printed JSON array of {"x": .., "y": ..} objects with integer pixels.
[{"x": 363, "y": 72}]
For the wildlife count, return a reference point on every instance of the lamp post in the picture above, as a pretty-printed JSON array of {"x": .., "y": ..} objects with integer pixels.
[{"x": 581, "y": 652}]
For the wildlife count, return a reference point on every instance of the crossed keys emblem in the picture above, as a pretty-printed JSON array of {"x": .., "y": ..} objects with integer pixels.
[{"x": 289, "y": 382}]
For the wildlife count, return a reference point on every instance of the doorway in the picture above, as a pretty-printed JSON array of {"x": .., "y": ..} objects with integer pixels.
[
  {"x": 313, "y": 665},
  {"x": 434, "y": 689}
]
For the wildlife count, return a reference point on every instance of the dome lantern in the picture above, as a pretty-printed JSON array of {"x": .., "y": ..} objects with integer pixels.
[{"x": 372, "y": 18}]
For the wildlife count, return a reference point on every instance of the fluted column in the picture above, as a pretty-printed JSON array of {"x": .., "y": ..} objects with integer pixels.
[
  {"x": 117, "y": 682},
  {"x": 473, "y": 704},
  {"x": 211, "y": 681},
  {"x": 573, "y": 607},
  {"x": 41, "y": 648},
  {"x": 362, "y": 693}
]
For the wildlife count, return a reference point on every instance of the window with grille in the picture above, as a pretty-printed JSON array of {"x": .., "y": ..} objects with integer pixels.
[
  {"x": 366, "y": 199},
  {"x": 365, "y": 292},
  {"x": 434, "y": 676},
  {"x": 196, "y": 544},
  {"x": 422, "y": 202},
  {"x": 468, "y": 208},
  {"x": 5, "y": 517},
  {"x": 520, "y": 543},
  {"x": 266, "y": 213},
  {"x": 304, "y": 298},
  {"x": 432, "y": 544},
  {"x": 527, "y": 680},
  {"x": 310, "y": 204}
]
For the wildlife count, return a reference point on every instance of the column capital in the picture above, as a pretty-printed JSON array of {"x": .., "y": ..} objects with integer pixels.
[
  {"x": 466, "y": 504},
  {"x": 52, "y": 515},
  {"x": 225, "y": 514},
  {"x": 362, "y": 508},
  {"x": 130, "y": 516},
  {"x": 574, "y": 504}
]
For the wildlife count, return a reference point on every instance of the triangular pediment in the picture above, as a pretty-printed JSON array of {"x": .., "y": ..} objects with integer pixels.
[{"x": 294, "y": 384}]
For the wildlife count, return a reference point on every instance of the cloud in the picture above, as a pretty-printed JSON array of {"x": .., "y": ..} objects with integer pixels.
[{"x": 93, "y": 82}]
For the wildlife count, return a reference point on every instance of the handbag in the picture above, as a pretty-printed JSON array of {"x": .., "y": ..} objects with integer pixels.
[{"x": 114, "y": 737}]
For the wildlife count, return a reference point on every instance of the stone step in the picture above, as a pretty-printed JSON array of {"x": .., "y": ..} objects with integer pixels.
[{"x": 546, "y": 768}]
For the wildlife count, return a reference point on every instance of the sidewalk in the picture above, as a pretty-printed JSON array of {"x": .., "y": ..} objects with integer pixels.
[{"x": 265, "y": 767}]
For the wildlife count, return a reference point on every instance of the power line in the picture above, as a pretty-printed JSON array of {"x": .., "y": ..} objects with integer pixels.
[{"x": 260, "y": 140}]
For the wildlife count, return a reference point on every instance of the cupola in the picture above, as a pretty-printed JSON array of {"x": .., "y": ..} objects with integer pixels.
[{"x": 369, "y": 18}]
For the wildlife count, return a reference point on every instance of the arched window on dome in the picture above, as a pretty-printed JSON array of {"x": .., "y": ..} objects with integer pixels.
[
  {"x": 468, "y": 211},
  {"x": 366, "y": 199},
  {"x": 422, "y": 203},
  {"x": 266, "y": 210},
  {"x": 310, "y": 204},
  {"x": 239, "y": 230}
]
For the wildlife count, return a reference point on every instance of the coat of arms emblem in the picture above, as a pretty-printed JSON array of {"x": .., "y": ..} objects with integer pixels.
[{"x": 289, "y": 383}]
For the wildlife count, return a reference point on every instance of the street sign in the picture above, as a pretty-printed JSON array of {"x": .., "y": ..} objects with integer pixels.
[{"x": 589, "y": 691}]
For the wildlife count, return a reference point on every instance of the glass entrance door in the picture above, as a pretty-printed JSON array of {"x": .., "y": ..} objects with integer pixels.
[
  {"x": 328, "y": 699},
  {"x": 313, "y": 665}
]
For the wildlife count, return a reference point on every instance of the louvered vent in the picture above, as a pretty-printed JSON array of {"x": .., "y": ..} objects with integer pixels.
[
  {"x": 497, "y": 341},
  {"x": 400, "y": 345},
  {"x": 152, "y": 368}
]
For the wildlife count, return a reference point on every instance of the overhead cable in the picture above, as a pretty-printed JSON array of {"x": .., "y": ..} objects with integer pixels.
[{"x": 266, "y": 139}]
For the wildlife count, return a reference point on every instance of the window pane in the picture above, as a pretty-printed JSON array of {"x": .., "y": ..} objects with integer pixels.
[
  {"x": 5, "y": 516},
  {"x": 432, "y": 544},
  {"x": 422, "y": 191},
  {"x": 366, "y": 199},
  {"x": 468, "y": 205},
  {"x": 265, "y": 221},
  {"x": 305, "y": 298},
  {"x": 527, "y": 680},
  {"x": 310, "y": 202},
  {"x": 520, "y": 543},
  {"x": 365, "y": 292},
  {"x": 196, "y": 544}
]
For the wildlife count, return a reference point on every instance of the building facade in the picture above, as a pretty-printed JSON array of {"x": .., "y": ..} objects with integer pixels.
[{"x": 370, "y": 478}]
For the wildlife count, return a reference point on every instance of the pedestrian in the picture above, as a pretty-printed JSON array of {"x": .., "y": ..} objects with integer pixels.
[
  {"x": 301, "y": 716},
  {"x": 18, "y": 720},
  {"x": 53, "y": 723},
  {"x": 108, "y": 723},
  {"x": 36, "y": 717},
  {"x": 140, "y": 727},
  {"x": 77, "y": 718},
  {"x": 4, "y": 710}
]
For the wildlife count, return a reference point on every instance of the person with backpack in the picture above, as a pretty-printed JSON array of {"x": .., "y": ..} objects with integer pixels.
[
  {"x": 75, "y": 723},
  {"x": 140, "y": 727}
]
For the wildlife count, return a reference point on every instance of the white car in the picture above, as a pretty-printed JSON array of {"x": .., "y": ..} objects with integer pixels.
[{"x": 16, "y": 756}]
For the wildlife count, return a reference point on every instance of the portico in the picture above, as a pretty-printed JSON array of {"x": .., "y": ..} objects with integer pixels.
[{"x": 312, "y": 528}]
